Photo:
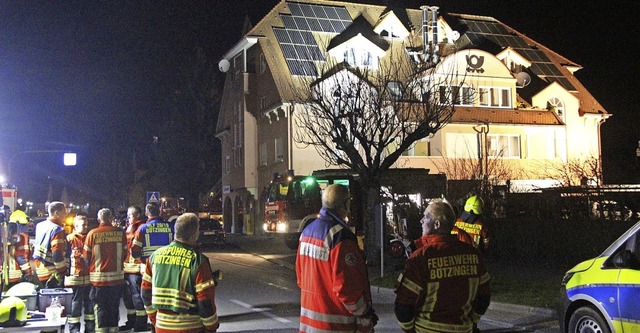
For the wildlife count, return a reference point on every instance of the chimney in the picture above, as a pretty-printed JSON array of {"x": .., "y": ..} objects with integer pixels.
[
  {"x": 434, "y": 24},
  {"x": 425, "y": 30},
  {"x": 429, "y": 48}
]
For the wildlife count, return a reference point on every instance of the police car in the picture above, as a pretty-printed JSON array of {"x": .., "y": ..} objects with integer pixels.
[{"x": 603, "y": 294}]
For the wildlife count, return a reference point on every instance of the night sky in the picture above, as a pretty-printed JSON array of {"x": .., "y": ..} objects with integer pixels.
[{"x": 77, "y": 74}]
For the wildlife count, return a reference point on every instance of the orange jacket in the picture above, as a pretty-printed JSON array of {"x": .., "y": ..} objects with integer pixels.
[
  {"x": 19, "y": 254},
  {"x": 131, "y": 264},
  {"x": 78, "y": 270},
  {"x": 105, "y": 249}
]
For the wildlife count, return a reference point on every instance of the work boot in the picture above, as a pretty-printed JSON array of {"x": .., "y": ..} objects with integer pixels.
[
  {"x": 129, "y": 325},
  {"x": 141, "y": 324}
]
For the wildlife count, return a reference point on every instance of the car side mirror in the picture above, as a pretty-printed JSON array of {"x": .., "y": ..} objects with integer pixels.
[{"x": 626, "y": 259}]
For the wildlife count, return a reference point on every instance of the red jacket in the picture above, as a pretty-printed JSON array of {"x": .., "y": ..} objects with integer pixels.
[
  {"x": 105, "y": 249},
  {"x": 332, "y": 276},
  {"x": 19, "y": 255},
  {"x": 444, "y": 287},
  {"x": 131, "y": 264},
  {"x": 78, "y": 270}
]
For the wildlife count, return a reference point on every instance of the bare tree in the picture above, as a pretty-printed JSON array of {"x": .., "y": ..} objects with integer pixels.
[
  {"x": 364, "y": 118},
  {"x": 573, "y": 172}
]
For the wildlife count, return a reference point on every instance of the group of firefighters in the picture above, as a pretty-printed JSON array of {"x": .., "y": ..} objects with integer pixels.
[
  {"x": 106, "y": 264},
  {"x": 444, "y": 287}
]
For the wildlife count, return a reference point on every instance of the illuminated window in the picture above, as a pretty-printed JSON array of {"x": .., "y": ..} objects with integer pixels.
[
  {"x": 494, "y": 97},
  {"x": 279, "y": 149},
  {"x": 360, "y": 58},
  {"x": 456, "y": 95},
  {"x": 503, "y": 146},
  {"x": 556, "y": 105}
]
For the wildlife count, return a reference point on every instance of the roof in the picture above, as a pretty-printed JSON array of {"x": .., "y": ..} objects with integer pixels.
[
  {"x": 505, "y": 116},
  {"x": 295, "y": 36}
]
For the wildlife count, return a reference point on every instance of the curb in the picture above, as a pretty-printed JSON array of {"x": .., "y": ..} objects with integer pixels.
[{"x": 515, "y": 308}]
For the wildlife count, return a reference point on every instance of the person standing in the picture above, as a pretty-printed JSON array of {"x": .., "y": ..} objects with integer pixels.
[
  {"x": 136, "y": 315},
  {"x": 471, "y": 220},
  {"x": 445, "y": 286},
  {"x": 105, "y": 250},
  {"x": 49, "y": 247},
  {"x": 20, "y": 217},
  {"x": 78, "y": 279},
  {"x": 331, "y": 271},
  {"x": 178, "y": 288},
  {"x": 152, "y": 235},
  {"x": 18, "y": 268}
]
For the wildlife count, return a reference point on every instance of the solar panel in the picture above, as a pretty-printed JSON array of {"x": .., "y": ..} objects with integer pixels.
[
  {"x": 296, "y": 39},
  {"x": 480, "y": 31}
]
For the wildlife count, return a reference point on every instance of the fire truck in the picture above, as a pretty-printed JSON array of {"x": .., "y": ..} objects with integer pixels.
[
  {"x": 10, "y": 198},
  {"x": 170, "y": 206},
  {"x": 293, "y": 201}
]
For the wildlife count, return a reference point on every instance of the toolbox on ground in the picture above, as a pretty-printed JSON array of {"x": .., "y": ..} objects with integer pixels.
[{"x": 65, "y": 295}]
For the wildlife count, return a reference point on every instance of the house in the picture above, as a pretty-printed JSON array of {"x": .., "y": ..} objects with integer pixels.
[{"x": 518, "y": 108}]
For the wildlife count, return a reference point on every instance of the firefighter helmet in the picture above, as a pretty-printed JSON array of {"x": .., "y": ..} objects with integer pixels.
[
  {"x": 474, "y": 205},
  {"x": 13, "y": 312}
]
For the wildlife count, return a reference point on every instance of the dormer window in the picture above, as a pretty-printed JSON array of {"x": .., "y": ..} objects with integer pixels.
[
  {"x": 360, "y": 58},
  {"x": 556, "y": 105}
]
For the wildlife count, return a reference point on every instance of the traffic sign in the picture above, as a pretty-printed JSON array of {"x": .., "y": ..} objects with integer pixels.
[{"x": 153, "y": 197}]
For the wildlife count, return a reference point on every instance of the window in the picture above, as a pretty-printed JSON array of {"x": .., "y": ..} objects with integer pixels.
[
  {"x": 263, "y": 63},
  {"x": 227, "y": 165},
  {"x": 456, "y": 95},
  {"x": 556, "y": 105},
  {"x": 461, "y": 145},
  {"x": 262, "y": 154},
  {"x": 263, "y": 102},
  {"x": 360, "y": 58},
  {"x": 498, "y": 97},
  {"x": 279, "y": 150},
  {"x": 503, "y": 146},
  {"x": 419, "y": 148}
]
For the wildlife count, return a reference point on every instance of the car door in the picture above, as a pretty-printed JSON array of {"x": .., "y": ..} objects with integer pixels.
[{"x": 629, "y": 285}]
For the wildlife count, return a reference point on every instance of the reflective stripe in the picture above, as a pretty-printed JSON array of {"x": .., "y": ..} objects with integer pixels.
[
  {"x": 358, "y": 308},
  {"x": 314, "y": 251},
  {"x": 178, "y": 322},
  {"x": 414, "y": 287},
  {"x": 311, "y": 329},
  {"x": 431, "y": 327},
  {"x": 327, "y": 318},
  {"x": 207, "y": 284}
]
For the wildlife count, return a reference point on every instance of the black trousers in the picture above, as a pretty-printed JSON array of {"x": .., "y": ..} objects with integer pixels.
[{"x": 107, "y": 305}]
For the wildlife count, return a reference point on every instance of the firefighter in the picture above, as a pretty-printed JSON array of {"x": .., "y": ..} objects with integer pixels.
[
  {"x": 78, "y": 278},
  {"x": 178, "y": 288},
  {"x": 151, "y": 235},
  {"x": 50, "y": 246},
  {"x": 471, "y": 220},
  {"x": 445, "y": 286},
  {"x": 105, "y": 250},
  {"x": 19, "y": 254},
  {"x": 331, "y": 271},
  {"x": 20, "y": 217},
  {"x": 136, "y": 315}
]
